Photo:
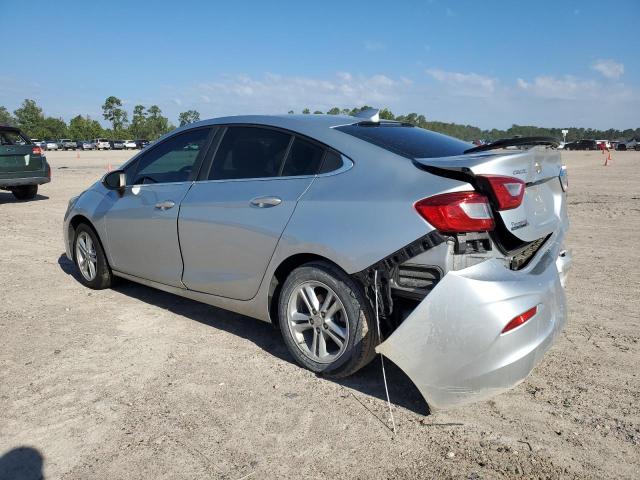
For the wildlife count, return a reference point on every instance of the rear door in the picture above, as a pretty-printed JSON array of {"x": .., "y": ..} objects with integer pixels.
[
  {"x": 16, "y": 155},
  {"x": 231, "y": 221}
]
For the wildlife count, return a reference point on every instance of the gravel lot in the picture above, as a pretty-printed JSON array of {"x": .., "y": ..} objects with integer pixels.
[{"x": 135, "y": 383}]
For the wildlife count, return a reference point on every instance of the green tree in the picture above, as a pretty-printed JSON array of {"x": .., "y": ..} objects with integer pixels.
[
  {"x": 30, "y": 119},
  {"x": 55, "y": 128},
  {"x": 190, "y": 116},
  {"x": 290, "y": 112},
  {"x": 157, "y": 124},
  {"x": 138, "y": 128},
  {"x": 84, "y": 128},
  {"x": 113, "y": 112},
  {"x": 318, "y": 112},
  {"x": 334, "y": 111},
  {"x": 6, "y": 117},
  {"x": 306, "y": 111}
]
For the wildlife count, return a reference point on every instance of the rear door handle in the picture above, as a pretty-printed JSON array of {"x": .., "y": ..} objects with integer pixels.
[
  {"x": 166, "y": 205},
  {"x": 265, "y": 202}
]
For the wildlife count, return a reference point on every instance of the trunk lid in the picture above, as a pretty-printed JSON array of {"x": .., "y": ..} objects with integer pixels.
[
  {"x": 542, "y": 209},
  {"x": 19, "y": 158}
]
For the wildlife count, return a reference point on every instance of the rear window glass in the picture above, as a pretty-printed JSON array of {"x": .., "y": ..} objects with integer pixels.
[
  {"x": 12, "y": 137},
  {"x": 332, "y": 161},
  {"x": 411, "y": 142}
]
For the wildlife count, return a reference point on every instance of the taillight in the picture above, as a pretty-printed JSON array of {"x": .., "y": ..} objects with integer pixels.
[
  {"x": 457, "y": 212},
  {"x": 508, "y": 191},
  {"x": 520, "y": 319},
  {"x": 36, "y": 151}
]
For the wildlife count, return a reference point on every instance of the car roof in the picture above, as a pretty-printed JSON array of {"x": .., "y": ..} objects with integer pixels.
[{"x": 311, "y": 124}]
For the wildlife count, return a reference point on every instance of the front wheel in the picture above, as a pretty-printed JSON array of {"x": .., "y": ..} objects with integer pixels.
[
  {"x": 25, "y": 192},
  {"x": 326, "y": 320},
  {"x": 90, "y": 259}
]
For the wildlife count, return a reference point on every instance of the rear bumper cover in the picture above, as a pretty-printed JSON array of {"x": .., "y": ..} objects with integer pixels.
[
  {"x": 17, "y": 182},
  {"x": 451, "y": 345}
]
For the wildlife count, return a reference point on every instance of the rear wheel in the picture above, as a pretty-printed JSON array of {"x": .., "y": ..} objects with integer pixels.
[
  {"x": 90, "y": 259},
  {"x": 326, "y": 320},
  {"x": 25, "y": 192}
]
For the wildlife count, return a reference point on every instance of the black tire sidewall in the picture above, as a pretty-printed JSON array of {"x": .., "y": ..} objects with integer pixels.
[
  {"x": 25, "y": 192},
  {"x": 361, "y": 330},
  {"x": 103, "y": 278}
]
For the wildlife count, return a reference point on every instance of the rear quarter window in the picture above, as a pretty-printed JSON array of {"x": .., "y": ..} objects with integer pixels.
[{"x": 408, "y": 141}]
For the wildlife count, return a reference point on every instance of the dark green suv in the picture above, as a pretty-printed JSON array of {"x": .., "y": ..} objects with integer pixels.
[{"x": 22, "y": 164}]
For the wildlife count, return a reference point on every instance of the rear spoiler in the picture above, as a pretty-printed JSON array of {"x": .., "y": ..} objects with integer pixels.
[{"x": 514, "y": 142}]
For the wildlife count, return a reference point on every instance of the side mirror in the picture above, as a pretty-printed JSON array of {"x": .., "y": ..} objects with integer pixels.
[{"x": 116, "y": 180}]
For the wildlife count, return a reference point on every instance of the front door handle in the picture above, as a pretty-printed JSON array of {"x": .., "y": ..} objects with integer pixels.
[
  {"x": 166, "y": 205},
  {"x": 265, "y": 202}
]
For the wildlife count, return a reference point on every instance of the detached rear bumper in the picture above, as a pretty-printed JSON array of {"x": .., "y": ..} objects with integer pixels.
[{"x": 451, "y": 345}]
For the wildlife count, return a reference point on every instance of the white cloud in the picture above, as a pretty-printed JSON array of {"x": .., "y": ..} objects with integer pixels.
[
  {"x": 567, "y": 87},
  {"x": 465, "y": 84},
  {"x": 278, "y": 93},
  {"x": 609, "y": 68}
]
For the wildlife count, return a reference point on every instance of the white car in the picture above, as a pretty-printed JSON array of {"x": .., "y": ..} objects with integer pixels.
[
  {"x": 51, "y": 145},
  {"x": 102, "y": 144},
  {"x": 130, "y": 144}
]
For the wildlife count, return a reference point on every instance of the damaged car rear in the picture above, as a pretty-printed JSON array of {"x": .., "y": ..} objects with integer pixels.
[{"x": 328, "y": 226}]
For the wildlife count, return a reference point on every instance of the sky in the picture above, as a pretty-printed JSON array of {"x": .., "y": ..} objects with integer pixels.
[{"x": 489, "y": 64}]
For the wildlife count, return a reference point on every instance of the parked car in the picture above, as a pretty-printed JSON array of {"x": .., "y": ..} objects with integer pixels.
[
  {"x": 141, "y": 143},
  {"x": 23, "y": 165},
  {"x": 130, "y": 145},
  {"x": 51, "y": 145},
  {"x": 102, "y": 144},
  {"x": 332, "y": 227},
  {"x": 88, "y": 145},
  {"x": 582, "y": 145},
  {"x": 117, "y": 144},
  {"x": 631, "y": 144},
  {"x": 67, "y": 144}
]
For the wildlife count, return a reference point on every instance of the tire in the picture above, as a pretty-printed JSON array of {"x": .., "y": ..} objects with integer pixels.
[
  {"x": 25, "y": 192},
  {"x": 352, "y": 320},
  {"x": 87, "y": 245}
]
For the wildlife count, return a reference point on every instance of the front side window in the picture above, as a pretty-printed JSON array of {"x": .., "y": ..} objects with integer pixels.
[
  {"x": 172, "y": 160},
  {"x": 249, "y": 152}
]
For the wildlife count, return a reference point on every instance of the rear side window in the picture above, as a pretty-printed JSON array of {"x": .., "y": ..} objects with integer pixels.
[
  {"x": 304, "y": 159},
  {"x": 408, "y": 141},
  {"x": 332, "y": 161},
  {"x": 249, "y": 152}
]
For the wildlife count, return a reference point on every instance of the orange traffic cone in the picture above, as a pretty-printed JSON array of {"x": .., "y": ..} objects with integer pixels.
[
  {"x": 608, "y": 159},
  {"x": 78, "y": 155}
]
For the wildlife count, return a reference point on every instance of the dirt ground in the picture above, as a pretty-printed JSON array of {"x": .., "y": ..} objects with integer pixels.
[{"x": 136, "y": 383}]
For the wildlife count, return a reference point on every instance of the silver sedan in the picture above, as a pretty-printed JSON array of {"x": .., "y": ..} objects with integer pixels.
[{"x": 354, "y": 235}]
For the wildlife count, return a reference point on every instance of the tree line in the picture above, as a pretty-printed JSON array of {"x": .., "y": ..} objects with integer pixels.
[
  {"x": 149, "y": 123},
  {"x": 146, "y": 123}
]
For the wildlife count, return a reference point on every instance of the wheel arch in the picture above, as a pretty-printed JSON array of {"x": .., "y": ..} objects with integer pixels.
[
  {"x": 74, "y": 223},
  {"x": 280, "y": 274}
]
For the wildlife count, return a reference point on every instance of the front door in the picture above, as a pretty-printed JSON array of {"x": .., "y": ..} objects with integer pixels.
[{"x": 142, "y": 230}]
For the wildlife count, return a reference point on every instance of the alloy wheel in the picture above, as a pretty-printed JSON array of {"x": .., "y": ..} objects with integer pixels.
[{"x": 318, "y": 322}]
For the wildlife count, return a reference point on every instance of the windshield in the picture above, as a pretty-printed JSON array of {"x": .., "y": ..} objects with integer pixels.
[{"x": 406, "y": 140}]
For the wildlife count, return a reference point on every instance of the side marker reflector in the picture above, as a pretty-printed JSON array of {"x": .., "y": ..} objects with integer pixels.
[{"x": 520, "y": 319}]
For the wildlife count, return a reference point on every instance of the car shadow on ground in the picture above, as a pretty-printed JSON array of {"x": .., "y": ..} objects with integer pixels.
[
  {"x": 368, "y": 381},
  {"x": 7, "y": 197},
  {"x": 21, "y": 463}
]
